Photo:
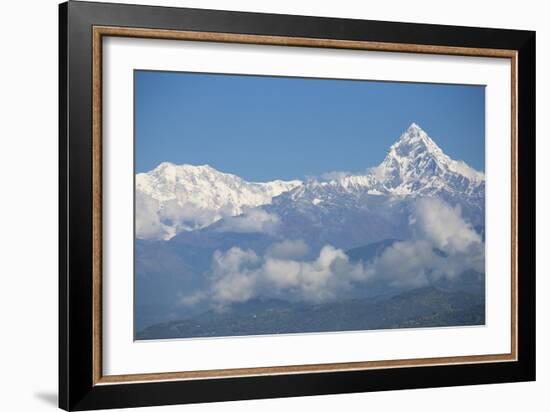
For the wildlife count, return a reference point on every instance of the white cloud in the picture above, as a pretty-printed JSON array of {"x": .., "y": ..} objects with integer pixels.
[
  {"x": 443, "y": 225},
  {"x": 156, "y": 221},
  {"x": 253, "y": 220},
  {"x": 238, "y": 275},
  {"x": 187, "y": 216},
  {"x": 193, "y": 299},
  {"x": 335, "y": 175},
  {"x": 443, "y": 245},
  {"x": 404, "y": 264},
  {"x": 317, "y": 280},
  {"x": 234, "y": 280},
  {"x": 148, "y": 224},
  {"x": 436, "y": 225},
  {"x": 288, "y": 249}
]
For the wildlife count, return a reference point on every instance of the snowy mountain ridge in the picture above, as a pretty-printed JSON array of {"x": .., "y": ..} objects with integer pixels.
[
  {"x": 172, "y": 198},
  {"x": 207, "y": 187}
]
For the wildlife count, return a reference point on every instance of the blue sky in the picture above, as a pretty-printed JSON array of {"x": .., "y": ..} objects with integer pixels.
[{"x": 262, "y": 128}]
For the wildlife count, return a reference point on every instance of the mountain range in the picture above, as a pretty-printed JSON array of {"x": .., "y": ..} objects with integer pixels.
[
  {"x": 171, "y": 199},
  {"x": 190, "y": 218}
]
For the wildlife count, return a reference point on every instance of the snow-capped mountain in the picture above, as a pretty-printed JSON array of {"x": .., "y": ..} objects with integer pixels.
[
  {"x": 414, "y": 166},
  {"x": 355, "y": 210},
  {"x": 173, "y": 198}
]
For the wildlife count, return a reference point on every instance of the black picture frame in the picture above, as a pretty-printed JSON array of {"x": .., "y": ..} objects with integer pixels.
[{"x": 77, "y": 390}]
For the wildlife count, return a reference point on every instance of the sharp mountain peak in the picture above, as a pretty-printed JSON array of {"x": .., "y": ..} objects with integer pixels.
[{"x": 413, "y": 141}]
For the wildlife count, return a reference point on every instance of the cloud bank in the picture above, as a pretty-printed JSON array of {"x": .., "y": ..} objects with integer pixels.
[
  {"x": 443, "y": 244},
  {"x": 162, "y": 222},
  {"x": 441, "y": 224},
  {"x": 252, "y": 221},
  {"x": 238, "y": 275}
]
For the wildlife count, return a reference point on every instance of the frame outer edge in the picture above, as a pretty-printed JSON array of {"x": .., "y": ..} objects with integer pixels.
[
  {"x": 527, "y": 206},
  {"x": 78, "y": 216},
  {"x": 63, "y": 375},
  {"x": 76, "y": 361}
]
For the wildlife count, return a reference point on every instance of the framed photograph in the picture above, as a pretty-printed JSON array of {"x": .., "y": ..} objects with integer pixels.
[{"x": 256, "y": 205}]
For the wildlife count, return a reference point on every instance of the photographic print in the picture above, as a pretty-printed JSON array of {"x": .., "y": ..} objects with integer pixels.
[
  {"x": 261, "y": 205},
  {"x": 276, "y": 205}
]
